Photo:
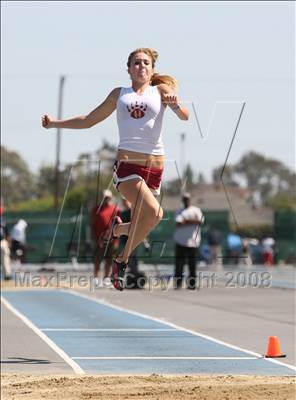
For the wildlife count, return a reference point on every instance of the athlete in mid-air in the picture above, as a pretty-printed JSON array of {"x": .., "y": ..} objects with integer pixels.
[{"x": 139, "y": 163}]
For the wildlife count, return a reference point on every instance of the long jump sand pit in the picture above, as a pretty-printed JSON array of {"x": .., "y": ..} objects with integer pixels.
[{"x": 151, "y": 387}]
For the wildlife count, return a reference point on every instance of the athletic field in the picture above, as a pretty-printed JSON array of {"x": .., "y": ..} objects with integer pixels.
[{"x": 67, "y": 333}]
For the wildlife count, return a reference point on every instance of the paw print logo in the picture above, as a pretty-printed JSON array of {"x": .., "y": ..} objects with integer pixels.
[{"x": 137, "y": 110}]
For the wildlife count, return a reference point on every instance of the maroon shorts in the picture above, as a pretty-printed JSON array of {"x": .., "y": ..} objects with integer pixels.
[{"x": 124, "y": 171}]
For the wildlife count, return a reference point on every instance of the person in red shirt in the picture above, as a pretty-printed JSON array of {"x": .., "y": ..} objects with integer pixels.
[{"x": 102, "y": 218}]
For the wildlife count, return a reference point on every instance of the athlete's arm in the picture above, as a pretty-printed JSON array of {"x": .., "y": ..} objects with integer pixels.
[
  {"x": 181, "y": 221},
  {"x": 85, "y": 121},
  {"x": 198, "y": 220},
  {"x": 171, "y": 99},
  {"x": 191, "y": 222}
]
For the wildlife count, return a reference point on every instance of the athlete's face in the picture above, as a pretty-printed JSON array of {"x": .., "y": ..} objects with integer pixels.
[{"x": 141, "y": 69}]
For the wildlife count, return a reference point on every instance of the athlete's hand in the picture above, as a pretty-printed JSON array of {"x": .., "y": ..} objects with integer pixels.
[
  {"x": 170, "y": 99},
  {"x": 47, "y": 121}
]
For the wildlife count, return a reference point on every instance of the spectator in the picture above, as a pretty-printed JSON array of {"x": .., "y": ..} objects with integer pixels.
[
  {"x": 268, "y": 245},
  {"x": 234, "y": 248},
  {"x": 102, "y": 219},
  {"x": 18, "y": 240},
  {"x": 204, "y": 255},
  {"x": 215, "y": 247},
  {"x": 246, "y": 252},
  {"x": 187, "y": 237},
  {"x": 255, "y": 249},
  {"x": 5, "y": 248}
]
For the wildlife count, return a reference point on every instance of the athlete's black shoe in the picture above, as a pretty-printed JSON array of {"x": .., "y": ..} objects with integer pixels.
[{"x": 117, "y": 277}]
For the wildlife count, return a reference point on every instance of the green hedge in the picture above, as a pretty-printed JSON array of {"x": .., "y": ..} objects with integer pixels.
[
  {"x": 51, "y": 237},
  {"x": 42, "y": 228}
]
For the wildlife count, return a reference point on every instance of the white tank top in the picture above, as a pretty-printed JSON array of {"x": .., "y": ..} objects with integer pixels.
[{"x": 139, "y": 119}]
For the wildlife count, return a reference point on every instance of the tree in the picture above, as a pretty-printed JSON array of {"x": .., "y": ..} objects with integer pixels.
[
  {"x": 283, "y": 201},
  {"x": 16, "y": 178},
  {"x": 201, "y": 180},
  {"x": 175, "y": 186},
  {"x": 188, "y": 177},
  {"x": 88, "y": 177},
  {"x": 265, "y": 177},
  {"x": 105, "y": 156},
  {"x": 228, "y": 176},
  {"x": 45, "y": 180}
]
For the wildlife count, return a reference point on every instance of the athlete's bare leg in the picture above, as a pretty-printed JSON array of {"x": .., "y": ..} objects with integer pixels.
[{"x": 146, "y": 214}]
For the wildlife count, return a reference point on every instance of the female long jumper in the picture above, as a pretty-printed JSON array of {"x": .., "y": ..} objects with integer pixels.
[{"x": 140, "y": 157}]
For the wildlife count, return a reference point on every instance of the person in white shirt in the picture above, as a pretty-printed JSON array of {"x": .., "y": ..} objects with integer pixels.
[
  {"x": 5, "y": 247},
  {"x": 139, "y": 164},
  {"x": 268, "y": 245},
  {"x": 18, "y": 239},
  {"x": 187, "y": 238}
]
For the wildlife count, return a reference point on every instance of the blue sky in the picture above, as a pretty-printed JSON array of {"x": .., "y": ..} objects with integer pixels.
[{"x": 229, "y": 52}]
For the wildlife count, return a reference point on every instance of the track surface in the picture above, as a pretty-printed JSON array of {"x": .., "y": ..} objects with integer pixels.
[{"x": 84, "y": 334}]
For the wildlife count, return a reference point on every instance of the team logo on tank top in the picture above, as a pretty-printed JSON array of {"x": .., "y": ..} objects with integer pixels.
[{"x": 137, "y": 110}]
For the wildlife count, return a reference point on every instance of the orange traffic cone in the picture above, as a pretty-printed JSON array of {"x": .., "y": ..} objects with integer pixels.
[{"x": 273, "y": 348}]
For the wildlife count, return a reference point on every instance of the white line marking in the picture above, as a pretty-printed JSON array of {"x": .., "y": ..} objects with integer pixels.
[
  {"x": 106, "y": 330},
  {"x": 105, "y": 303},
  {"x": 165, "y": 358},
  {"x": 60, "y": 214},
  {"x": 77, "y": 369}
]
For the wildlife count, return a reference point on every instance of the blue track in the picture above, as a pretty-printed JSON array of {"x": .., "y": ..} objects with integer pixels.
[{"x": 53, "y": 309}]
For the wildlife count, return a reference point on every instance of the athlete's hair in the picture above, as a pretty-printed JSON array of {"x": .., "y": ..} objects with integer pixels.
[{"x": 156, "y": 78}]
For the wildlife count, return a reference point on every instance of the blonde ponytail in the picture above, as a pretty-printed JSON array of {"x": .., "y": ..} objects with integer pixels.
[{"x": 156, "y": 78}]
